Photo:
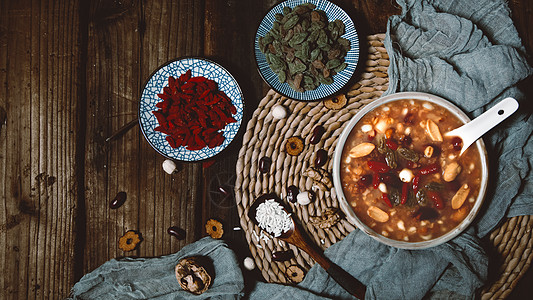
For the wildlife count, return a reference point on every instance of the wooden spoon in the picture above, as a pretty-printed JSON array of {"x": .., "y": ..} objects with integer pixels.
[{"x": 298, "y": 238}]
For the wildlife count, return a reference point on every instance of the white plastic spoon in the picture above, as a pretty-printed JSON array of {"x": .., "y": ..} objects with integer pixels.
[{"x": 473, "y": 130}]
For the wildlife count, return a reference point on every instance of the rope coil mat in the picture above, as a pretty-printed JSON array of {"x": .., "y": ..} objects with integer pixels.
[{"x": 266, "y": 136}]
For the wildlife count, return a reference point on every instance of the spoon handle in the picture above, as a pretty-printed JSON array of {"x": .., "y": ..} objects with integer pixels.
[
  {"x": 343, "y": 278},
  {"x": 473, "y": 130}
]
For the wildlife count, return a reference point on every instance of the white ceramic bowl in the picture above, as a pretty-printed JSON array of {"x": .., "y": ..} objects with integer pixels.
[{"x": 347, "y": 209}]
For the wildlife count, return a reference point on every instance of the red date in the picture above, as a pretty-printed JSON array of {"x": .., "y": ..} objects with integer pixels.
[
  {"x": 386, "y": 199},
  {"x": 430, "y": 169}
]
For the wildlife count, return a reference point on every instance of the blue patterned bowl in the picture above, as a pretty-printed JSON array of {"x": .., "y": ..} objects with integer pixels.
[
  {"x": 333, "y": 12},
  {"x": 156, "y": 83}
]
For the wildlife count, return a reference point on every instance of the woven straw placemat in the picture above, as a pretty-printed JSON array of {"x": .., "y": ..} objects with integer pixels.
[{"x": 266, "y": 136}]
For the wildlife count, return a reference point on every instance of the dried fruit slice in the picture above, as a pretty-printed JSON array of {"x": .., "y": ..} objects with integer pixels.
[
  {"x": 129, "y": 241},
  {"x": 460, "y": 196},
  {"x": 214, "y": 228},
  {"x": 294, "y": 145},
  {"x": 295, "y": 273},
  {"x": 361, "y": 150},
  {"x": 336, "y": 102},
  {"x": 377, "y": 214},
  {"x": 433, "y": 130}
]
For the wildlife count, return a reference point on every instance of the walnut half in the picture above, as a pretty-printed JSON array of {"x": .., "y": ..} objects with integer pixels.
[{"x": 192, "y": 275}]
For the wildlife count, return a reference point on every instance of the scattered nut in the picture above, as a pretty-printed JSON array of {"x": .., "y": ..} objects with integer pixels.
[
  {"x": 294, "y": 145},
  {"x": 451, "y": 171},
  {"x": 279, "y": 112},
  {"x": 169, "y": 166},
  {"x": 295, "y": 273},
  {"x": 433, "y": 130},
  {"x": 460, "y": 196},
  {"x": 306, "y": 197},
  {"x": 129, "y": 240},
  {"x": 377, "y": 214},
  {"x": 214, "y": 228},
  {"x": 192, "y": 275},
  {"x": 249, "y": 263},
  {"x": 428, "y": 152},
  {"x": 336, "y": 102},
  {"x": 321, "y": 177},
  {"x": 329, "y": 218},
  {"x": 361, "y": 150}
]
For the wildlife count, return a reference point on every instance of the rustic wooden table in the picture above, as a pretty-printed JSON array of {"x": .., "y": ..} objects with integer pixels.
[{"x": 71, "y": 74}]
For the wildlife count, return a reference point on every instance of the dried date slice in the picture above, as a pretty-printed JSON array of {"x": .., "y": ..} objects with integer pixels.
[
  {"x": 295, "y": 273},
  {"x": 214, "y": 228},
  {"x": 129, "y": 241},
  {"x": 336, "y": 102},
  {"x": 294, "y": 145}
]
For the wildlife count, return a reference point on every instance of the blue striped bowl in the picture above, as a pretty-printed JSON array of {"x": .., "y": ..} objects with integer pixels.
[{"x": 333, "y": 12}]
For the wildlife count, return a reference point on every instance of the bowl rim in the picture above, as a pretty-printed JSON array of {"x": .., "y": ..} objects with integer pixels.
[
  {"x": 347, "y": 209},
  {"x": 258, "y": 53},
  {"x": 207, "y": 60}
]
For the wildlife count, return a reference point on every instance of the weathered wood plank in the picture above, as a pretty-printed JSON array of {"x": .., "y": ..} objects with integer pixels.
[{"x": 40, "y": 60}]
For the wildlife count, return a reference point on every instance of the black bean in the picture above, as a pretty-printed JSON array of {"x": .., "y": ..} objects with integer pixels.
[
  {"x": 176, "y": 232},
  {"x": 117, "y": 202},
  {"x": 321, "y": 158}
]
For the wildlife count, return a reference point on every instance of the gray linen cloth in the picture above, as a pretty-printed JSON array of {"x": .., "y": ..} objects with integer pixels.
[{"x": 465, "y": 51}]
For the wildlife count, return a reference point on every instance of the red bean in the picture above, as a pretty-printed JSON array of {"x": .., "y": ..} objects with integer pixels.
[
  {"x": 176, "y": 232},
  {"x": 264, "y": 164},
  {"x": 365, "y": 181},
  {"x": 117, "y": 202},
  {"x": 318, "y": 131},
  {"x": 292, "y": 192},
  {"x": 321, "y": 158},
  {"x": 457, "y": 143},
  {"x": 282, "y": 255}
]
